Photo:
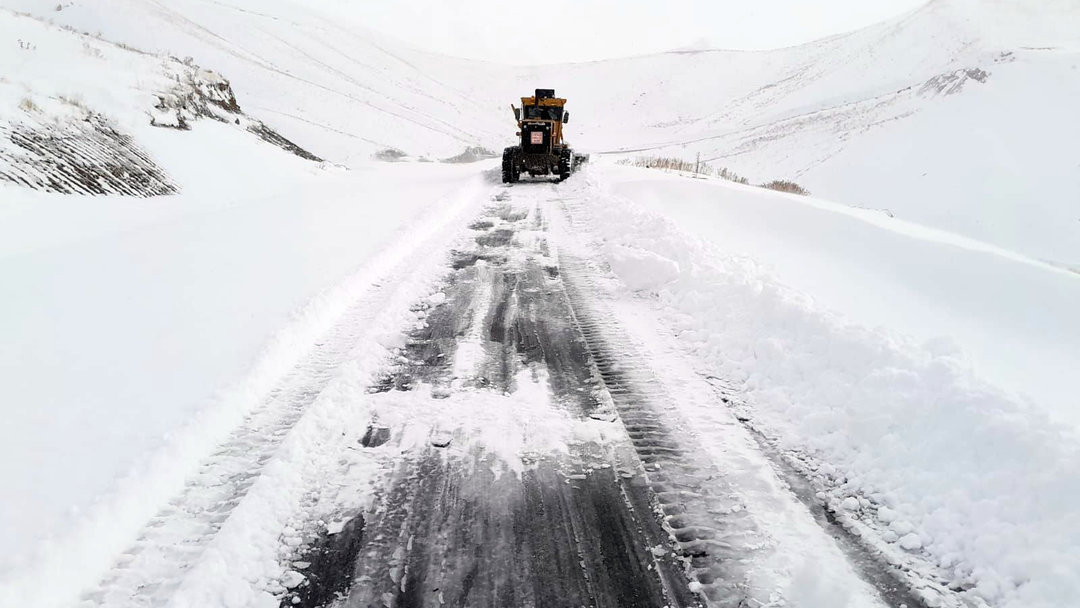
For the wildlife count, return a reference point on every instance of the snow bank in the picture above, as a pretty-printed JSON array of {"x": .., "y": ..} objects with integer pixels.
[
  {"x": 921, "y": 450},
  {"x": 932, "y": 286},
  {"x": 641, "y": 269}
]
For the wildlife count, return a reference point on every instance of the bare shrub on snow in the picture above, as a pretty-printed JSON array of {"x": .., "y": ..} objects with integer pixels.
[
  {"x": 670, "y": 163},
  {"x": 724, "y": 173},
  {"x": 697, "y": 167},
  {"x": 74, "y": 101},
  {"x": 785, "y": 186},
  {"x": 390, "y": 155}
]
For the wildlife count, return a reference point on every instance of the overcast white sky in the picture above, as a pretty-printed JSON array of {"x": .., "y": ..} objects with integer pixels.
[{"x": 550, "y": 31}]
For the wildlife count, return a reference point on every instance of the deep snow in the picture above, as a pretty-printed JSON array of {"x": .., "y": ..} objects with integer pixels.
[
  {"x": 113, "y": 336},
  {"x": 921, "y": 365},
  {"x": 805, "y": 314},
  {"x": 957, "y": 296}
]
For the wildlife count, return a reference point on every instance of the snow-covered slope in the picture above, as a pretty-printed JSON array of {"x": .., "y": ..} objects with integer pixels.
[
  {"x": 349, "y": 89},
  {"x": 958, "y": 115}
]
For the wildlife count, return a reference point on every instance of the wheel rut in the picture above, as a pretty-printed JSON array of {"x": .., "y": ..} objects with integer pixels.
[
  {"x": 456, "y": 523},
  {"x": 526, "y": 455},
  {"x": 146, "y": 573},
  {"x": 712, "y": 530}
]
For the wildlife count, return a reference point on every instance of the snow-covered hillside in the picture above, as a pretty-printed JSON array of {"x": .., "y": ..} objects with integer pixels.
[
  {"x": 958, "y": 115},
  {"x": 353, "y": 91}
]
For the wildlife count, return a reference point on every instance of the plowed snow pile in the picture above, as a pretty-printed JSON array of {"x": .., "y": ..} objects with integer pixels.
[{"x": 925, "y": 456}]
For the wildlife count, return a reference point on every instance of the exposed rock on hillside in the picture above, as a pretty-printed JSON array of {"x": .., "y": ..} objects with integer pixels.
[{"x": 201, "y": 93}]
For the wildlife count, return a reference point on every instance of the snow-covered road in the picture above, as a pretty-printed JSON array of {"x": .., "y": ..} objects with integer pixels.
[
  {"x": 546, "y": 395},
  {"x": 520, "y": 447},
  {"x": 403, "y": 383}
]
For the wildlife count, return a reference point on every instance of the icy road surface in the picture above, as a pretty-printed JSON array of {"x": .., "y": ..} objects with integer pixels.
[{"x": 517, "y": 449}]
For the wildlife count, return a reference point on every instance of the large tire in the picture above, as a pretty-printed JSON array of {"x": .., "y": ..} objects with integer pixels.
[
  {"x": 566, "y": 164},
  {"x": 510, "y": 172}
]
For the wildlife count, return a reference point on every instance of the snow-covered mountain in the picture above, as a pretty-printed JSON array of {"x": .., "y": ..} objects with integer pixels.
[
  {"x": 958, "y": 115},
  {"x": 350, "y": 90}
]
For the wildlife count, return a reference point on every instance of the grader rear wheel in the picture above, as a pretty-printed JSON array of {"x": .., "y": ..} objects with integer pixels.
[
  {"x": 510, "y": 172},
  {"x": 566, "y": 164}
]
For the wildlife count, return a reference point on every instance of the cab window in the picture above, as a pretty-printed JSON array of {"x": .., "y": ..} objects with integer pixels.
[{"x": 543, "y": 113}]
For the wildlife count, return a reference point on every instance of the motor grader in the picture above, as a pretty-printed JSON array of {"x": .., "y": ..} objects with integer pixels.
[{"x": 541, "y": 149}]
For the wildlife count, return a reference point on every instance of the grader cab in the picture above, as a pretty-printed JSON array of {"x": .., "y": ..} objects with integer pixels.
[{"x": 541, "y": 149}]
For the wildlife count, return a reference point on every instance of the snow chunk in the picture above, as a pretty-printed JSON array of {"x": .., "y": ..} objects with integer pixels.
[
  {"x": 850, "y": 504},
  {"x": 886, "y": 515},
  {"x": 603, "y": 416},
  {"x": 911, "y": 542},
  {"x": 291, "y": 579},
  {"x": 641, "y": 270},
  {"x": 902, "y": 527}
]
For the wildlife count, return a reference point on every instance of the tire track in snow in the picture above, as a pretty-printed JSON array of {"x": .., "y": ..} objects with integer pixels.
[
  {"x": 147, "y": 573},
  {"x": 462, "y": 522},
  {"x": 169, "y": 547},
  {"x": 708, "y": 522},
  {"x": 649, "y": 410}
]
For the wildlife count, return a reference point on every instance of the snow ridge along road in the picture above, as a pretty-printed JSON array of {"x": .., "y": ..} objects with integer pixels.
[
  {"x": 219, "y": 524},
  {"x": 524, "y": 446}
]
